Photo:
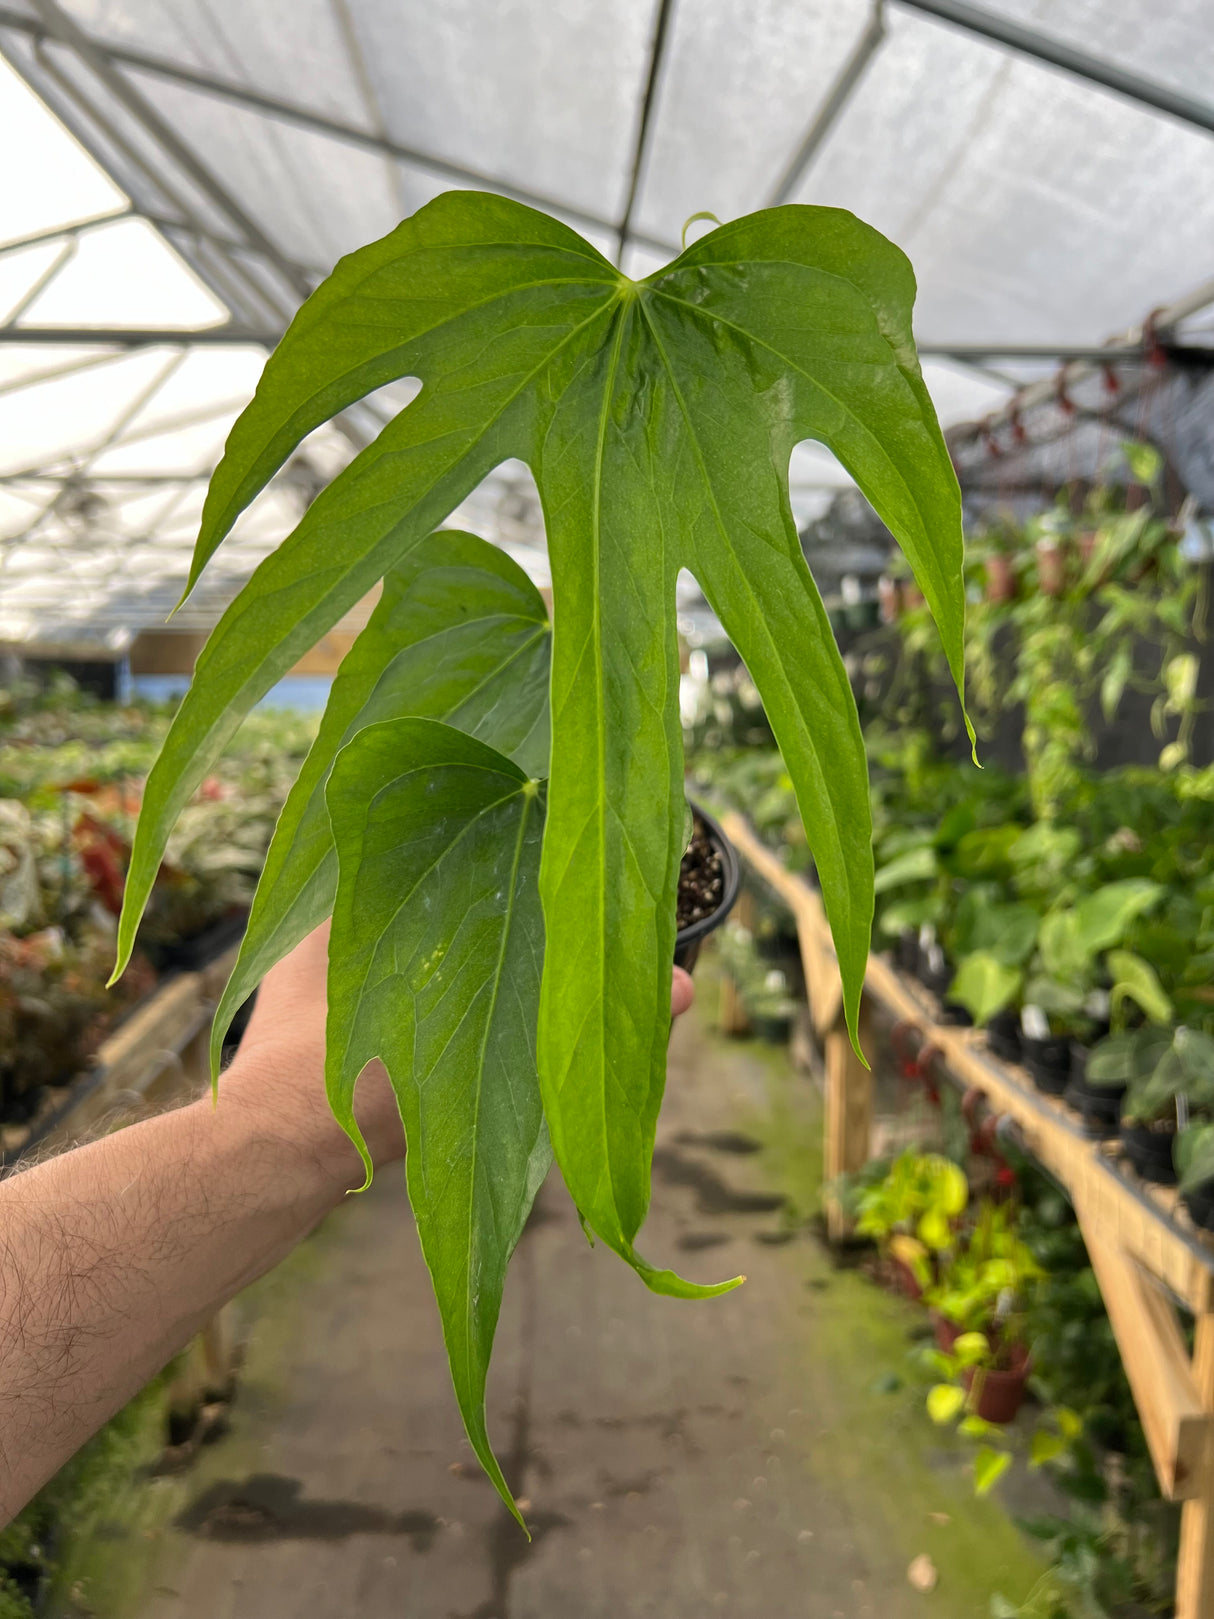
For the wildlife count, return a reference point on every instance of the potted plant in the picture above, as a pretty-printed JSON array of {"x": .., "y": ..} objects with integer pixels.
[
  {"x": 910, "y": 1214},
  {"x": 1193, "y": 1156},
  {"x": 1178, "y": 1086},
  {"x": 1064, "y": 997},
  {"x": 658, "y": 418},
  {"x": 1098, "y": 1085},
  {"x": 770, "y": 1007},
  {"x": 982, "y": 1293}
]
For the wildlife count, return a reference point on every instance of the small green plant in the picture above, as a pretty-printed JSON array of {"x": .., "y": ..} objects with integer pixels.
[
  {"x": 910, "y": 1212},
  {"x": 503, "y": 907},
  {"x": 1178, "y": 1071}
]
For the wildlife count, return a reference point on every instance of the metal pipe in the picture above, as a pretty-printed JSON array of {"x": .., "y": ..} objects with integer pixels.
[
  {"x": 1056, "y": 53},
  {"x": 840, "y": 93},
  {"x": 69, "y": 33},
  {"x": 648, "y": 101},
  {"x": 35, "y": 238},
  {"x": 64, "y": 257},
  {"x": 1126, "y": 345}
]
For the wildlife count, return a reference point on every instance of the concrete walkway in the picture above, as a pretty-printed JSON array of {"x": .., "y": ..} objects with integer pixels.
[{"x": 743, "y": 1456}]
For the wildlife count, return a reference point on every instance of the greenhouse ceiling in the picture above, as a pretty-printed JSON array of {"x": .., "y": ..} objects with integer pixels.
[{"x": 1048, "y": 165}]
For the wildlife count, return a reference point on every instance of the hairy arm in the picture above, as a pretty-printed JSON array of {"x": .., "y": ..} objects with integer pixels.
[{"x": 114, "y": 1255}]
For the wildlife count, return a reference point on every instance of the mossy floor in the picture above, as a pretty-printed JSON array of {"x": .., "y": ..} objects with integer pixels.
[{"x": 763, "y": 1454}]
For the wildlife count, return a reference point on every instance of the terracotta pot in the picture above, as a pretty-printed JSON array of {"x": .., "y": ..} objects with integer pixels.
[
  {"x": 1051, "y": 568},
  {"x": 1000, "y": 580},
  {"x": 912, "y": 596},
  {"x": 904, "y": 1279},
  {"x": 889, "y": 595},
  {"x": 947, "y": 1332},
  {"x": 1001, "y": 1393}
]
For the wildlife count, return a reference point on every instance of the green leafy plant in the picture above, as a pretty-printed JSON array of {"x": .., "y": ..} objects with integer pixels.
[
  {"x": 910, "y": 1211},
  {"x": 658, "y": 418},
  {"x": 1184, "y": 1068}
]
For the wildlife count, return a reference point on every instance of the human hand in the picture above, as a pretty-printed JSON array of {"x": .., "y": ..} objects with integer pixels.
[
  {"x": 282, "y": 1059},
  {"x": 282, "y": 1062}
]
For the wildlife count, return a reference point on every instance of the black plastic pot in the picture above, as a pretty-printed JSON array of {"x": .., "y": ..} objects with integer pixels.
[
  {"x": 774, "y": 1030},
  {"x": 954, "y": 1015},
  {"x": 191, "y": 955},
  {"x": 1003, "y": 1036},
  {"x": 938, "y": 979},
  {"x": 1049, "y": 1062},
  {"x": 1100, "y": 1105},
  {"x": 908, "y": 951},
  {"x": 1150, "y": 1152},
  {"x": 1200, "y": 1204},
  {"x": 689, "y": 939}
]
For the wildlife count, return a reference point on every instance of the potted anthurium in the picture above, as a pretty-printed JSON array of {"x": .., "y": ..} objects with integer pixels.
[
  {"x": 1171, "y": 1085},
  {"x": 1064, "y": 995},
  {"x": 1193, "y": 1155},
  {"x": 503, "y": 899}
]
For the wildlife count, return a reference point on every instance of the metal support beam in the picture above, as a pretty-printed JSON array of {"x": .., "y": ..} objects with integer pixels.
[
  {"x": 66, "y": 31},
  {"x": 305, "y": 118},
  {"x": 840, "y": 93},
  {"x": 1031, "y": 42},
  {"x": 137, "y": 337},
  {"x": 657, "y": 48}
]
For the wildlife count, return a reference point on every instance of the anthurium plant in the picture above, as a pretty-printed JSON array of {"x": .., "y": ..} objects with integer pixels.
[{"x": 503, "y": 904}]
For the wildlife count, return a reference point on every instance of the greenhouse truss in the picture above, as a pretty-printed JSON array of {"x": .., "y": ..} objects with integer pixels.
[{"x": 1046, "y": 164}]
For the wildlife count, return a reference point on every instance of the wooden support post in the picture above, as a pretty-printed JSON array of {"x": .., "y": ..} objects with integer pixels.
[
  {"x": 1177, "y": 1423},
  {"x": 848, "y": 1117},
  {"x": 1195, "y": 1569}
]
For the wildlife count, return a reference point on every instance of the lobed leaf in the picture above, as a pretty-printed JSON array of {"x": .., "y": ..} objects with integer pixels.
[
  {"x": 460, "y": 634},
  {"x": 658, "y": 418},
  {"x": 434, "y": 966}
]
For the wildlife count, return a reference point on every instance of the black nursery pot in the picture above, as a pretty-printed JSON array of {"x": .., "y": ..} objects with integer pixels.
[
  {"x": 1003, "y": 1036},
  {"x": 1100, "y": 1105},
  {"x": 689, "y": 939},
  {"x": 1200, "y": 1203},
  {"x": 1049, "y": 1062},
  {"x": 1150, "y": 1152}
]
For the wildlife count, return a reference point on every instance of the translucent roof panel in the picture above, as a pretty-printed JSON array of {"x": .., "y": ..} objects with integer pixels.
[{"x": 189, "y": 171}]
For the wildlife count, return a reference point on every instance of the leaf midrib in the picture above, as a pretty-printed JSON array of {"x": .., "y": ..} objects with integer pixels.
[
  {"x": 724, "y": 532},
  {"x": 621, "y": 321}
]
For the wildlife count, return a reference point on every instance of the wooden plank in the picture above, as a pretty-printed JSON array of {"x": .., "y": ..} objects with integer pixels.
[
  {"x": 1142, "y": 1220},
  {"x": 848, "y": 1118},
  {"x": 1179, "y": 1430},
  {"x": 155, "y": 1056},
  {"x": 822, "y": 982},
  {"x": 1195, "y": 1565}
]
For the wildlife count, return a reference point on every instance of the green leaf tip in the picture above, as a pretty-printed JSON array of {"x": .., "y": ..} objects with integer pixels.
[{"x": 670, "y": 1284}]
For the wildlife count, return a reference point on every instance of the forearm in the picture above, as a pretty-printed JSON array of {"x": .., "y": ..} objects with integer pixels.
[{"x": 114, "y": 1255}]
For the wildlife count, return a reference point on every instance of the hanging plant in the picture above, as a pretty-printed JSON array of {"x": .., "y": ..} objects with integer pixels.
[{"x": 504, "y": 920}]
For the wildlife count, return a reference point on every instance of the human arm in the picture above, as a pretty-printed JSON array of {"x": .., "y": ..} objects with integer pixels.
[{"x": 115, "y": 1254}]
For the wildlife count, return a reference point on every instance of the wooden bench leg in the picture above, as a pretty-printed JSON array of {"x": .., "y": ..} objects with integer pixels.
[
  {"x": 1195, "y": 1568},
  {"x": 849, "y": 1117}
]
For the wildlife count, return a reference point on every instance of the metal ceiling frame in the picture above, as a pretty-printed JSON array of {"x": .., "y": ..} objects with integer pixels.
[
  {"x": 227, "y": 262},
  {"x": 1056, "y": 53}
]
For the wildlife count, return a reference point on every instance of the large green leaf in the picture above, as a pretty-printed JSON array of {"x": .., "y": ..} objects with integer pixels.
[
  {"x": 460, "y": 634},
  {"x": 984, "y": 985},
  {"x": 658, "y": 418},
  {"x": 434, "y": 967}
]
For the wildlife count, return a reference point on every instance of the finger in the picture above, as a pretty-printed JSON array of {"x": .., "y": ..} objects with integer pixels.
[{"x": 682, "y": 992}]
